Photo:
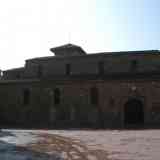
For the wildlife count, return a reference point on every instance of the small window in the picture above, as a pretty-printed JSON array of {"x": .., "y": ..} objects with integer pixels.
[
  {"x": 101, "y": 67},
  {"x": 18, "y": 76},
  {"x": 68, "y": 69},
  {"x": 57, "y": 96},
  {"x": 94, "y": 96},
  {"x": 39, "y": 71},
  {"x": 26, "y": 97},
  {"x": 111, "y": 102},
  {"x": 134, "y": 65}
]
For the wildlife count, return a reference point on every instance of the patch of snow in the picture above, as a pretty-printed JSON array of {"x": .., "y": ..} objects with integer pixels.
[
  {"x": 64, "y": 155},
  {"x": 10, "y": 142},
  {"x": 19, "y": 137}
]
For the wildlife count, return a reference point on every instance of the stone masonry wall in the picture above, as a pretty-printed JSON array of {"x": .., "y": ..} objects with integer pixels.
[{"x": 75, "y": 108}]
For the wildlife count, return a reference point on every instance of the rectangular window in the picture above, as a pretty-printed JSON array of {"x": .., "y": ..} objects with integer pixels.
[
  {"x": 94, "y": 98},
  {"x": 18, "y": 76},
  {"x": 26, "y": 97},
  {"x": 68, "y": 69},
  {"x": 57, "y": 96},
  {"x": 39, "y": 71},
  {"x": 101, "y": 67},
  {"x": 134, "y": 65}
]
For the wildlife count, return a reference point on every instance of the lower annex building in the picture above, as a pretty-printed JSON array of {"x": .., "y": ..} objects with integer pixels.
[{"x": 76, "y": 89}]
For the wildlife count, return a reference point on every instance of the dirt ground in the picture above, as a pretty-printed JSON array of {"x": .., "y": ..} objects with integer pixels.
[
  {"x": 80, "y": 144},
  {"x": 67, "y": 148}
]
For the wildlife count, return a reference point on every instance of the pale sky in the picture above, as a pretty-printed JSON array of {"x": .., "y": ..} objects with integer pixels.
[{"x": 28, "y": 28}]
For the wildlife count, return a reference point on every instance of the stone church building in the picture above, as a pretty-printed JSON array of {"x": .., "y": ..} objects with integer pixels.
[{"x": 76, "y": 89}]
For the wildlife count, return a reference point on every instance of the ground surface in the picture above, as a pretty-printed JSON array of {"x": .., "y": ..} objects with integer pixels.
[{"x": 80, "y": 145}]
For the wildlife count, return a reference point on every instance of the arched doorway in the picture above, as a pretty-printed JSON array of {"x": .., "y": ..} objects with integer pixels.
[{"x": 134, "y": 112}]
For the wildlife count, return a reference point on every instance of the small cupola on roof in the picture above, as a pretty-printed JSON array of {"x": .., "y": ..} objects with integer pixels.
[{"x": 68, "y": 50}]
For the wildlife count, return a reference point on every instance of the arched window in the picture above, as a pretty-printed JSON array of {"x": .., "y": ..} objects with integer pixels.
[
  {"x": 57, "y": 96},
  {"x": 26, "y": 96},
  {"x": 94, "y": 97}
]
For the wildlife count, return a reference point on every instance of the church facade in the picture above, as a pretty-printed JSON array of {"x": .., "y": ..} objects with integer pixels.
[{"x": 76, "y": 89}]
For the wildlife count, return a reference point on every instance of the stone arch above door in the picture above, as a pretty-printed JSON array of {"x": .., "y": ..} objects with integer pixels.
[{"x": 133, "y": 112}]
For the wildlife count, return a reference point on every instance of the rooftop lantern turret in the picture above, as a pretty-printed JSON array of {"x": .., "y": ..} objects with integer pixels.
[{"x": 68, "y": 50}]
